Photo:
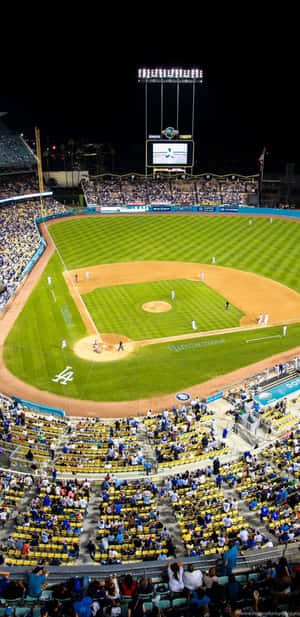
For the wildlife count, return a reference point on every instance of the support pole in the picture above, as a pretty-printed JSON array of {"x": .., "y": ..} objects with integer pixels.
[{"x": 40, "y": 168}]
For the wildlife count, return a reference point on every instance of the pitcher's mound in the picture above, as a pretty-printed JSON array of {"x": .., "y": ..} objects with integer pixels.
[
  {"x": 157, "y": 307},
  {"x": 106, "y": 351}
]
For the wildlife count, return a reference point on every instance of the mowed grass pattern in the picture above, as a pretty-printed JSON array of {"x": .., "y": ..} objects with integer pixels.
[
  {"x": 269, "y": 249},
  {"x": 33, "y": 352},
  {"x": 119, "y": 309}
]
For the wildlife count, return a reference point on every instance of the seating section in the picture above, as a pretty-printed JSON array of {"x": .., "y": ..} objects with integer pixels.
[
  {"x": 19, "y": 241},
  {"x": 14, "y": 185},
  {"x": 141, "y": 191},
  {"x": 21, "y": 432},
  {"x": 96, "y": 447},
  {"x": 129, "y": 528},
  {"x": 260, "y": 591},
  {"x": 50, "y": 528},
  {"x": 15, "y": 154},
  {"x": 182, "y": 436}
]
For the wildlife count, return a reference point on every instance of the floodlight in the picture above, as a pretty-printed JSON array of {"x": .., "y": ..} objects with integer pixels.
[{"x": 169, "y": 75}]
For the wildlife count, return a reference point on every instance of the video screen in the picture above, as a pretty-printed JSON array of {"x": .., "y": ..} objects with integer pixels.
[{"x": 168, "y": 153}]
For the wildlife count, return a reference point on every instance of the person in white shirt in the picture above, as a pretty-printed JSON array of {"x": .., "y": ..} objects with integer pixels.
[
  {"x": 258, "y": 537},
  {"x": 221, "y": 541},
  {"x": 226, "y": 506},
  {"x": 175, "y": 574},
  {"x": 227, "y": 521},
  {"x": 174, "y": 497},
  {"x": 243, "y": 535}
]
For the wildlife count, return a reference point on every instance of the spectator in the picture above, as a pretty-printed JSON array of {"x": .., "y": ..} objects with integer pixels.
[
  {"x": 136, "y": 608},
  {"x": 192, "y": 578},
  {"x": 82, "y": 608},
  {"x": 232, "y": 590},
  {"x": 175, "y": 574},
  {"x": 199, "y": 600},
  {"x": 128, "y": 585},
  {"x": 210, "y": 577},
  {"x": 36, "y": 578},
  {"x": 230, "y": 557}
]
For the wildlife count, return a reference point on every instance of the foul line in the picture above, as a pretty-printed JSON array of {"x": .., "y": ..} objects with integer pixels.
[
  {"x": 264, "y": 338},
  {"x": 76, "y": 289}
]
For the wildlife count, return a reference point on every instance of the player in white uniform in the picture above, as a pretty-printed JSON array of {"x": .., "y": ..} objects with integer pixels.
[{"x": 194, "y": 325}]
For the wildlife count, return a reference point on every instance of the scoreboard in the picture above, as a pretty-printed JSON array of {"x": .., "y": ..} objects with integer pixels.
[{"x": 167, "y": 154}]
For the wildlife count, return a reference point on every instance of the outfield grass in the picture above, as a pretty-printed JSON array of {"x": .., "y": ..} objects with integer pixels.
[
  {"x": 118, "y": 309},
  {"x": 33, "y": 347},
  {"x": 268, "y": 249}
]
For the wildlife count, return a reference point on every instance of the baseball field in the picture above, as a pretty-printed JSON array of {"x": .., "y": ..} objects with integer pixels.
[{"x": 143, "y": 280}]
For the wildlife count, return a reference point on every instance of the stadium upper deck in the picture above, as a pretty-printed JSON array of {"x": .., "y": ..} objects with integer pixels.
[{"x": 206, "y": 189}]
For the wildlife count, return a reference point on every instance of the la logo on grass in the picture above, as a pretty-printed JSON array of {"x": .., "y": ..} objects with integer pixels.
[{"x": 65, "y": 376}]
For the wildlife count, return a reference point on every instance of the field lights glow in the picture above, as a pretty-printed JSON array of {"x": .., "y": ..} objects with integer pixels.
[{"x": 170, "y": 74}]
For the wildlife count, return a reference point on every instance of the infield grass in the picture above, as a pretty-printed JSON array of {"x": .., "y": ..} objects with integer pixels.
[{"x": 119, "y": 309}]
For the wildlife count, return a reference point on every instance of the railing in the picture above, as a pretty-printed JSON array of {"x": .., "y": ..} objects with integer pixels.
[{"x": 157, "y": 569}]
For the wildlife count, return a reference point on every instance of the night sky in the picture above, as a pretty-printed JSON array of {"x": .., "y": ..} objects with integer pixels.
[{"x": 249, "y": 98}]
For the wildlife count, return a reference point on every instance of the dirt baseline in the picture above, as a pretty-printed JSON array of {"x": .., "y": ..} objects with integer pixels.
[{"x": 251, "y": 293}]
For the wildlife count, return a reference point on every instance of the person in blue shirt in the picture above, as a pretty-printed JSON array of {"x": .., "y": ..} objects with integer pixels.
[
  {"x": 83, "y": 607},
  {"x": 36, "y": 578},
  {"x": 119, "y": 538},
  {"x": 264, "y": 512},
  {"x": 198, "y": 599},
  {"x": 207, "y": 517},
  {"x": 147, "y": 466},
  {"x": 230, "y": 557}
]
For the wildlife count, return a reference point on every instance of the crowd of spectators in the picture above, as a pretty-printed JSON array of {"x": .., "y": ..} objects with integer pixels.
[
  {"x": 95, "y": 446},
  {"x": 137, "y": 190},
  {"x": 19, "y": 241},
  {"x": 129, "y": 526},
  {"x": 35, "y": 436},
  {"x": 15, "y": 154},
  {"x": 18, "y": 184},
  {"x": 182, "y": 591},
  {"x": 181, "y": 435},
  {"x": 49, "y": 528}
]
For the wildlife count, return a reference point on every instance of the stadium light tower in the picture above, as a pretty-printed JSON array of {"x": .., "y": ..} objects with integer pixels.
[{"x": 165, "y": 77}]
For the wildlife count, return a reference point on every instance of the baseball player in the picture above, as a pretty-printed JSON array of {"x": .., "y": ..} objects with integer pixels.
[
  {"x": 284, "y": 330},
  {"x": 49, "y": 280},
  {"x": 202, "y": 276},
  {"x": 87, "y": 274},
  {"x": 266, "y": 319},
  {"x": 63, "y": 343},
  {"x": 172, "y": 294},
  {"x": 121, "y": 346},
  {"x": 76, "y": 278},
  {"x": 250, "y": 222},
  {"x": 260, "y": 318},
  {"x": 194, "y": 325},
  {"x": 227, "y": 305},
  {"x": 213, "y": 260}
]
